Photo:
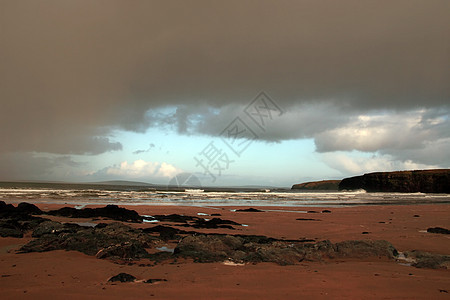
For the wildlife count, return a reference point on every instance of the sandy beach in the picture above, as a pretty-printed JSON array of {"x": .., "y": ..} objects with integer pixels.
[{"x": 73, "y": 275}]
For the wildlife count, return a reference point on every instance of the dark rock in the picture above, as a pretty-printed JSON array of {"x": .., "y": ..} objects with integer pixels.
[
  {"x": 208, "y": 248},
  {"x": 425, "y": 181},
  {"x": 312, "y": 212},
  {"x": 10, "y": 228},
  {"x": 113, "y": 240},
  {"x": 259, "y": 239},
  {"x": 306, "y": 240},
  {"x": 51, "y": 227},
  {"x": 101, "y": 225},
  {"x": 326, "y": 211},
  {"x": 318, "y": 185},
  {"x": 110, "y": 211},
  {"x": 251, "y": 209},
  {"x": 175, "y": 218},
  {"x": 154, "y": 280},
  {"x": 428, "y": 260},
  {"x": 23, "y": 210},
  {"x": 196, "y": 222},
  {"x": 305, "y": 219},
  {"x": 438, "y": 230},
  {"x": 363, "y": 249},
  {"x": 416, "y": 216},
  {"x": 6, "y": 207},
  {"x": 213, "y": 223},
  {"x": 28, "y": 208},
  {"x": 204, "y": 248},
  {"x": 123, "y": 251},
  {"x": 365, "y": 232},
  {"x": 122, "y": 277},
  {"x": 15, "y": 221},
  {"x": 165, "y": 232}
]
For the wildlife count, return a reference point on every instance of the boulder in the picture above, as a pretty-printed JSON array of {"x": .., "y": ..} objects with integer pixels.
[
  {"x": 122, "y": 277},
  {"x": 251, "y": 209},
  {"x": 438, "y": 230},
  {"x": 28, "y": 208},
  {"x": 428, "y": 260}
]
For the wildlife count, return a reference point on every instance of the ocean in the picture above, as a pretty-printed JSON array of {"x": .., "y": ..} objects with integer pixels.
[{"x": 86, "y": 194}]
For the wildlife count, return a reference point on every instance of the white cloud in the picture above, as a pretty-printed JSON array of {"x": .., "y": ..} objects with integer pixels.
[
  {"x": 421, "y": 136},
  {"x": 140, "y": 169},
  {"x": 353, "y": 163},
  {"x": 372, "y": 132}
]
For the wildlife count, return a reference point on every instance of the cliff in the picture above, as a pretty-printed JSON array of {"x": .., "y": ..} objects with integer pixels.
[
  {"x": 425, "y": 181},
  {"x": 317, "y": 185}
]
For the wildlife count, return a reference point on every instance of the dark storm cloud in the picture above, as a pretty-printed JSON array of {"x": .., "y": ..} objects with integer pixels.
[
  {"x": 150, "y": 147},
  {"x": 71, "y": 71},
  {"x": 26, "y": 166}
]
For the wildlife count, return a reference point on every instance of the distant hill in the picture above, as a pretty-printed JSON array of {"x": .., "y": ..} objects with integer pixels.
[
  {"x": 318, "y": 185},
  {"x": 121, "y": 182},
  {"x": 425, "y": 181}
]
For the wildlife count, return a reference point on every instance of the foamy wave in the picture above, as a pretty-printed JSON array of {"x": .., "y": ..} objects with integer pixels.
[{"x": 288, "y": 198}]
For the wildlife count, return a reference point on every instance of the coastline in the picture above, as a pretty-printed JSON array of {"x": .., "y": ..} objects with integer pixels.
[{"x": 70, "y": 274}]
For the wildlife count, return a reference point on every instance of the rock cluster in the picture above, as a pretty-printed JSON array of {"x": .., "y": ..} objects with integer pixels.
[
  {"x": 213, "y": 248},
  {"x": 114, "y": 240},
  {"x": 118, "y": 241},
  {"x": 110, "y": 211},
  {"x": 195, "y": 222},
  {"x": 15, "y": 221}
]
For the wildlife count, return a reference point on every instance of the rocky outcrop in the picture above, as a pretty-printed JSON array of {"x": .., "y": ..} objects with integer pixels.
[
  {"x": 110, "y": 211},
  {"x": 195, "y": 222},
  {"x": 24, "y": 208},
  {"x": 251, "y": 209},
  {"x": 15, "y": 221},
  {"x": 317, "y": 185},
  {"x": 428, "y": 260},
  {"x": 114, "y": 240},
  {"x": 214, "y": 248},
  {"x": 424, "y": 181},
  {"x": 123, "y": 243}
]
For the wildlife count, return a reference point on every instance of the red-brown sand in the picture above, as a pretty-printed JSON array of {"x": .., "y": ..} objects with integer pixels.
[{"x": 73, "y": 275}]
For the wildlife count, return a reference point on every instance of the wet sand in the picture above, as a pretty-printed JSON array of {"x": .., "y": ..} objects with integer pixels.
[{"x": 73, "y": 275}]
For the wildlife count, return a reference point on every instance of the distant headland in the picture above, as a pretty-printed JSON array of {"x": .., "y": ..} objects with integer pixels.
[
  {"x": 424, "y": 181},
  {"x": 318, "y": 185}
]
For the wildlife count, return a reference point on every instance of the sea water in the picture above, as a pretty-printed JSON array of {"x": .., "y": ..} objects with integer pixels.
[{"x": 84, "y": 194}]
